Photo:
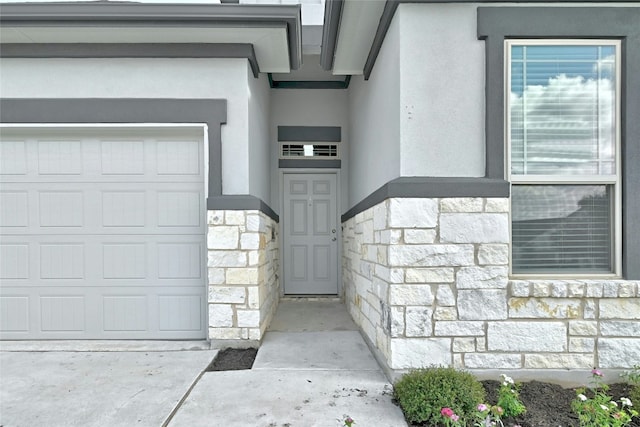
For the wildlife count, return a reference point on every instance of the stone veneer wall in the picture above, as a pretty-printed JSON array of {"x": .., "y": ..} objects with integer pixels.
[
  {"x": 242, "y": 269},
  {"x": 427, "y": 282}
]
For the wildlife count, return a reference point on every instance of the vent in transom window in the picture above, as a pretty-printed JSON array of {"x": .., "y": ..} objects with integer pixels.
[{"x": 309, "y": 150}]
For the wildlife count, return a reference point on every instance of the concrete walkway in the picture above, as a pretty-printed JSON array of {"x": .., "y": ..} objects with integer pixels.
[{"x": 312, "y": 369}]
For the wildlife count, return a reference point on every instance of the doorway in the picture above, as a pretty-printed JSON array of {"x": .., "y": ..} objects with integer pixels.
[{"x": 310, "y": 234}]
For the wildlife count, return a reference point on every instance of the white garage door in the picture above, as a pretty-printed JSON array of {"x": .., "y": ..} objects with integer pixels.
[{"x": 102, "y": 233}]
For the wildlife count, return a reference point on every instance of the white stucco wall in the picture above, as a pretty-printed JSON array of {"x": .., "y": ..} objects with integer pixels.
[
  {"x": 442, "y": 90},
  {"x": 259, "y": 137},
  {"x": 309, "y": 107},
  {"x": 374, "y": 149},
  {"x": 146, "y": 78}
]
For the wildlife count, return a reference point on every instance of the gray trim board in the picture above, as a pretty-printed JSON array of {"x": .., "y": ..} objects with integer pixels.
[
  {"x": 159, "y": 15},
  {"x": 212, "y": 112},
  {"x": 132, "y": 50},
  {"x": 332, "y": 16},
  {"x": 309, "y": 163},
  {"x": 309, "y": 84},
  {"x": 497, "y": 24},
  {"x": 241, "y": 202},
  {"x": 431, "y": 187},
  {"x": 392, "y": 5},
  {"x": 310, "y": 133}
]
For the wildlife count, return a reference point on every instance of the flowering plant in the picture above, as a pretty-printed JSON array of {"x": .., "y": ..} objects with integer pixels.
[
  {"x": 450, "y": 417},
  {"x": 348, "y": 421},
  {"x": 509, "y": 397},
  {"x": 600, "y": 409}
]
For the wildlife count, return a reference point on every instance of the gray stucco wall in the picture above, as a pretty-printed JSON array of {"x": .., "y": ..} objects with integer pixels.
[
  {"x": 259, "y": 137},
  {"x": 374, "y": 119},
  {"x": 442, "y": 90},
  {"x": 146, "y": 78}
]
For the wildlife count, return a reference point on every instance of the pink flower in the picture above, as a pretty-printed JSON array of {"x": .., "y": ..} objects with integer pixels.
[
  {"x": 454, "y": 417},
  {"x": 447, "y": 412},
  {"x": 482, "y": 407},
  {"x": 596, "y": 373},
  {"x": 498, "y": 410}
]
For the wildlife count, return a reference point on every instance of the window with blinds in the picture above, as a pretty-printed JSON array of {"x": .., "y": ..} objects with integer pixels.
[
  {"x": 309, "y": 150},
  {"x": 563, "y": 139}
]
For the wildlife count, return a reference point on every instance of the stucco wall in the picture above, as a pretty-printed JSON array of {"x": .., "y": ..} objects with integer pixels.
[
  {"x": 259, "y": 137},
  {"x": 374, "y": 149},
  {"x": 146, "y": 78},
  {"x": 308, "y": 107},
  {"x": 442, "y": 90}
]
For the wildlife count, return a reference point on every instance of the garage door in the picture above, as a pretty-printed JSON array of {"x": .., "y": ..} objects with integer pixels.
[{"x": 102, "y": 233}]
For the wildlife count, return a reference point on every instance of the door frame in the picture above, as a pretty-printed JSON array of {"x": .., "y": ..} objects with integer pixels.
[{"x": 316, "y": 171}]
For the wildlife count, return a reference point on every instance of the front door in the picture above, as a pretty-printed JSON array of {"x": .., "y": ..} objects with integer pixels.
[{"x": 310, "y": 237}]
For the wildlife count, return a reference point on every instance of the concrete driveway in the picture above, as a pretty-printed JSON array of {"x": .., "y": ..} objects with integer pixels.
[{"x": 60, "y": 388}]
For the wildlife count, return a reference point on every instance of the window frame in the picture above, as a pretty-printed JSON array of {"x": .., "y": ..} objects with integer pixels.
[{"x": 540, "y": 179}]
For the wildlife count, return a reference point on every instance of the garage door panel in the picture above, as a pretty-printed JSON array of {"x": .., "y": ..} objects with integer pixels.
[{"x": 103, "y": 235}]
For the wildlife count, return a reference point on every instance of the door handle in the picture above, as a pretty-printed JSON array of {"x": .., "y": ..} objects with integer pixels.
[{"x": 334, "y": 239}]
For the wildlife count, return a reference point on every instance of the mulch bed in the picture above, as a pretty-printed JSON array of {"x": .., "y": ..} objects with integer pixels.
[
  {"x": 548, "y": 405},
  {"x": 233, "y": 359}
]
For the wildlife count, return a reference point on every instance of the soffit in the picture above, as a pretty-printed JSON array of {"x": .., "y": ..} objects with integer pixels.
[
  {"x": 358, "y": 26},
  {"x": 274, "y": 31}
]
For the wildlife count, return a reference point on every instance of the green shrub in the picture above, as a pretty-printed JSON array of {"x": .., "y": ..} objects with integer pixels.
[
  {"x": 633, "y": 378},
  {"x": 423, "y": 393}
]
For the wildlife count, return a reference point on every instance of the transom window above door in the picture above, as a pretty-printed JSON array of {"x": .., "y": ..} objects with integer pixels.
[{"x": 563, "y": 139}]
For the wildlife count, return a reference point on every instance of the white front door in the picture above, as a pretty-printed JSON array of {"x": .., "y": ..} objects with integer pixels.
[{"x": 310, "y": 237}]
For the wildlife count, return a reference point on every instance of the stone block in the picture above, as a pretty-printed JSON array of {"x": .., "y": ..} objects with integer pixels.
[
  {"x": 225, "y": 334},
  {"x": 222, "y": 237},
  {"x": 220, "y": 315},
  {"x": 492, "y": 361},
  {"x": 575, "y": 290},
  {"x": 407, "y": 353},
  {"x": 227, "y": 294},
  {"x": 397, "y": 321},
  {"x": 458, "y": 362},
  {"x": 242, "y": 276},
  {"x": 419, "y": 236},
  {"x": 431, "y": 255},
  {"x": 464, "y": 345},
  {"x": 609, "y": 290},
  {"x": 461, "y": 204},
  {"x": 234, "y": 217},
  {"x": 481, "y": 344},
  {"x": 527, "y": 336},
  {"x": 248, "y": 318},
  {"x": 418, "y": 321},
  {"x": 227, "y": 259},
  {"x": 544, "y": 308},
  {"x": 410, "y": 295},
  {"x": 380, "y": 216},
  {"x": 541, "y": 289},
  {"x": 254, "y": 223},
  {"x": 255, "y": 334},
  {"x": 215, "y": 217},
  {"x": 558, "y": 361},
  {"x": 413, "y": 213},
  {"x": 482, "y": 278},
  {"x": 493, "y": 254},
  {"x": 445, "y": 313},
  {"x": 474, "y": 228},
  {"x": 618, "y": 352},
  {"x": 216, "y": 276},
  {"x": 627, "y": 290},
  {"x": 480, "y": 304},
  {"x": 594, "y": 290},
  {"x": 559, "y": 290},
  {"x": 583, "y": 328},
  {"x": 495, "y": 204},
  {"x": 429, "y": 275},
  {"x": 459, "y": 329},
  {"x": 582, "y": 345},
  {"x": 620, "y": 329},
  {"x": 250, "y": 241},
  {"x": 395, "y": 237},
  {"x": 620, "y": 308},
  {"x": 520, "y": 288},
  {"x": 444, "y": 296}
]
